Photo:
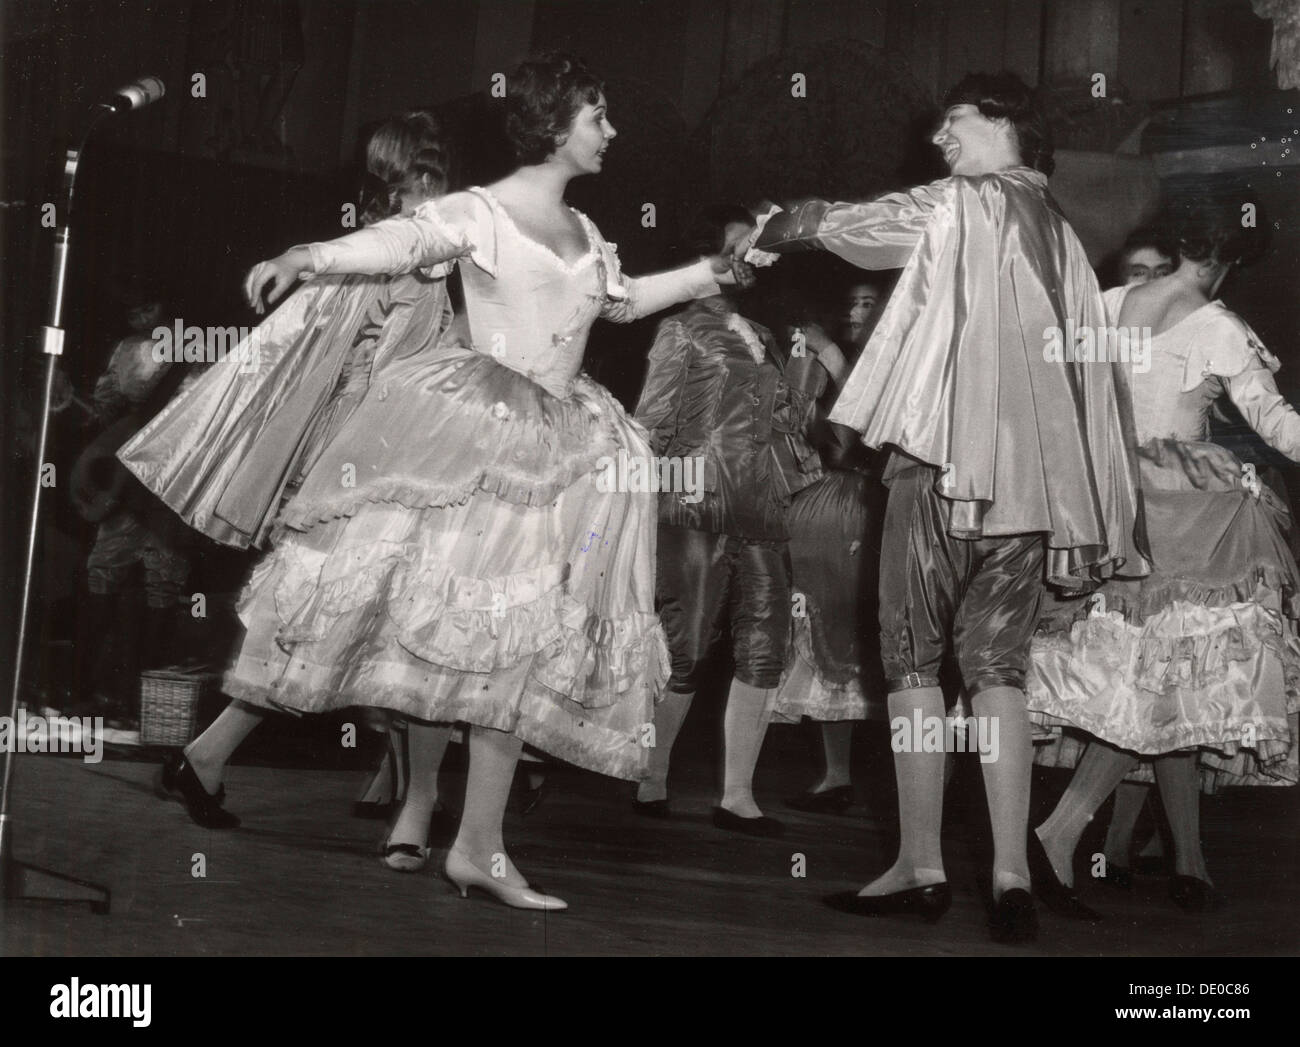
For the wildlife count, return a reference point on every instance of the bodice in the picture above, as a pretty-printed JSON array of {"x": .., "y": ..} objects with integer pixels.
[
  {"x": 534, "y": 315},
  {"x": 1161, "y": 407}
]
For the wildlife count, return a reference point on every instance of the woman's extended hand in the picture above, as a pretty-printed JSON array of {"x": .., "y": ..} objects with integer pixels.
[{"x": 275, "y": 276}]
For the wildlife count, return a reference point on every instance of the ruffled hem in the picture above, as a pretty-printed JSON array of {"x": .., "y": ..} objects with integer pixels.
[
  {"x": 1059, "y": 744},
  {"x": 1186, "y": 646},
  {"x": 806, "y": 691},
  {"x": 610, "y": 751},
  {"x": 466, "y": 624}
]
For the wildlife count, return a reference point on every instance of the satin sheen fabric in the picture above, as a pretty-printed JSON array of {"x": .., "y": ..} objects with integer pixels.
[
  {"x": 222, "y": 453},
  {"x": 706, "y": 397},
  {"x": 956, "y": 376},
  {"x": 477, "y": 569},
  {"x": 1203, "y": 651}
]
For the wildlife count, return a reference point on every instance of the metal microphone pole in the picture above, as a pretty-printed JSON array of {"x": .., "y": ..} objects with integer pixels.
[{"x": 24, "y": 882}]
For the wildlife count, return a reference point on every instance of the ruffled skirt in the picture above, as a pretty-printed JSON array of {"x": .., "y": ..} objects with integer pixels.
[
  {"x": 1201, "y": 653},
  {"x": 835, "y": 674},
  {"x": 453, "y": 557}
]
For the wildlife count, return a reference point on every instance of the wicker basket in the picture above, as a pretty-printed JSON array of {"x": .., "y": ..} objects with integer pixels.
[{"x": 169, "y": 704}]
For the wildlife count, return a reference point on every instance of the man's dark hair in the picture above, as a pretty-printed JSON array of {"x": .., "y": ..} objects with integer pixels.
[
  {"x": 1209, "y": 228},
  {"x": 1157, "y": 238},
  {"x": 706, "y": 231},
  {"x": 1005, "y": 96},
  {"x": 543, "y": 95}
]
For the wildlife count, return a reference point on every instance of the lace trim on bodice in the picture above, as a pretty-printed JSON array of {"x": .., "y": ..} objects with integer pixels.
[{"x": 570, "y": 268}]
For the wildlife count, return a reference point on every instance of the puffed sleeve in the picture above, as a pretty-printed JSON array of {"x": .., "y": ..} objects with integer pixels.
[
  {"x": 665, "y": 381},
  {"x": 1251, "y": 387},
  {"x": 631, "y": 298},
  {"x": 439, "y": 231},
  {"x": 879, "y": 234}
]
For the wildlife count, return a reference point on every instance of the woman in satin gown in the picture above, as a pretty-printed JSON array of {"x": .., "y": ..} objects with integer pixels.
[
  {"x": 835, "y": 678},
  {"x": 1196, "y": 664},
  {"x": 458, "y": 553}
]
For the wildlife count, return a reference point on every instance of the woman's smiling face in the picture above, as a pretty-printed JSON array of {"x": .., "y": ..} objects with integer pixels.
[{"x": 589, "y": 136}]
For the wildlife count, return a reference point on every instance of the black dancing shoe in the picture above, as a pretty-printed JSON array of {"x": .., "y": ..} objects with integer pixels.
[
  {"x": 828, "y": 801},
  {"x": 1014, "y": 920},
  {"x": 176, "y": 780},
  {"x": 1061, "y": 899},
  {"x": 652, "y": 809},
  {"x": 1192, "y": 894},
  {"x": 928, "y": 902},
  {"x": 760, "y": 826}
]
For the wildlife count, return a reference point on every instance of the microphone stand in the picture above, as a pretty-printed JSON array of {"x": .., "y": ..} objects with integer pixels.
[{"x": 22, "y": 881}]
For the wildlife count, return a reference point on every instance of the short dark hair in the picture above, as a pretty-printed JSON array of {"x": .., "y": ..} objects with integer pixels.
[
  {"x": 1209, "y": 228},
  {"x": 543, "y": 95},
  {"x": 707, "y": 229},
  {"x": 400, "y": 153},
  {"x": 1005, "y": 96}
]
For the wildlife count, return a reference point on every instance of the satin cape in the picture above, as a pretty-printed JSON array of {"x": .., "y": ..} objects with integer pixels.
[
  {"x": 222, "y": 453},
  {"x": 958, "y": 373}
]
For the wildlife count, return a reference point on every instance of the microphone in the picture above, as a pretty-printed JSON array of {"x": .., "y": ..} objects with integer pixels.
[{"x": 137, "y": 94}]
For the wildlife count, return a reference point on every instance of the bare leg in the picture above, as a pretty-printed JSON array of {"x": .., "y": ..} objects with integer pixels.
[
  {"x": 1006, "y": 783},
  {"x": 920, "y": 801},
  {"x": 744, "y": 725},
  {"x": 1179, "y": 783},
  {"x": 670, "y": 711},
  {"x": 209, "y": 753},
  {"x": 837, "y": 745},
  {"x": 1102, "y": 768},
  {"x": 492, "y": 759}
]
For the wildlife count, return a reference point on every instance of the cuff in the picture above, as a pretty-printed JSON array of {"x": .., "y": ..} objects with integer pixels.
[{"x": 754, "y": 256}]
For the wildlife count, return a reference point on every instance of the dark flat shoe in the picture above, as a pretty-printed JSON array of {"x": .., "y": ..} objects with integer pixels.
[
  {"x": 829, "y": 801},
  {"x": 1061, "y": 899},
  {"x": 176, "y": 780},
  {"x": 1194, "y": 895},
  {"x": 1014, "y": 921},
  {"x": 652, "y": 809},
  {"x": 760, "y": 826},
  {"x": 928, "y": 902}
]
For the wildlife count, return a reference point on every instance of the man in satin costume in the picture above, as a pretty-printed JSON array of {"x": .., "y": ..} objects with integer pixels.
[
  {"x": 720, "y": 394},
  {"x": 1010, "y": 470}
]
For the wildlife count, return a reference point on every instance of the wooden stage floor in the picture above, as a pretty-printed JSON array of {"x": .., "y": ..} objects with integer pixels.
[{"x": 300, "y": 878}]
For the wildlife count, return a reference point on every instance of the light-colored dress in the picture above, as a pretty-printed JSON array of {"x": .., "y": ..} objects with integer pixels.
[
  {"x": 456, "y": 554},
  {"x": 1202, "y": 652}
]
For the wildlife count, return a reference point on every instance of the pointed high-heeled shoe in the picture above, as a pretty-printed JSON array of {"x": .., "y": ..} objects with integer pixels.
[
  {"x": 1061, "y": 899},
  {"x": 464, "y": 874},
  {"x": 929, "y": 902}
]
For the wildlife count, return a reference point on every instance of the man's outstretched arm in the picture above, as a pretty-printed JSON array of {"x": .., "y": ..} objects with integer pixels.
[{"x": 877, "y": 234}]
